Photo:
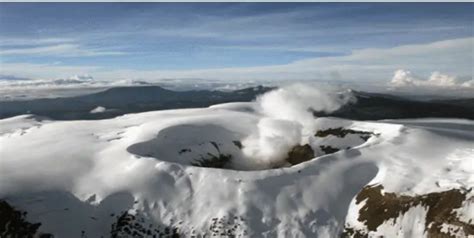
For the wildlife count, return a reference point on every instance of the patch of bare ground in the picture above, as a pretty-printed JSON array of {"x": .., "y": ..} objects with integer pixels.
[
  {"x": 327, "y": 149},
  {"x": 213, "y": 161},
  {"x": 299, "y": 154},
  {"x": 302, "y": 153},
  {"x": 382, "y": 206},
  {"x": 342, "y": 132}
]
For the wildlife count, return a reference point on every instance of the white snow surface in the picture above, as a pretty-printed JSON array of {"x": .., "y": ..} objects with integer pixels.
[
  {"x": 410, "y": 224},
  {"x": 88, "y": 170}
]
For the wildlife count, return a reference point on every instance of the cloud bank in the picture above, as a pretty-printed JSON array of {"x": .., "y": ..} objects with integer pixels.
[
  {"x": 368, "y": 65},
  {"x": 434, "y": 86},
  {"x": 404, "y": 78},
  {"x": 364, "y": 69}
]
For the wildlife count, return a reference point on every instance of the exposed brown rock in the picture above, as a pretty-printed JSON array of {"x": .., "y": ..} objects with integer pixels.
[
  {"x": 300, "y": 154},
  {"x": 380, "y": 207}
]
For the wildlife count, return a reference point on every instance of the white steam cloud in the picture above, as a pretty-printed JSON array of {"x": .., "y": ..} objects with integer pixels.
[{"x": 288, "y": 119}]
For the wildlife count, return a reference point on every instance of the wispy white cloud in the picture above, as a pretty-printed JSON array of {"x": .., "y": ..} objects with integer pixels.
[
  {"x": 454, "y": 57},
  {"x": 450, "y": 56},
  {"x": 286, "y": 48},
  {"x": 44, "y": 71},
  {"x": 436, "y": 85},
  {"x": 34, "y": 41},
  {"x": 64, "y": 50},
  {"x": 404, "y": 78}
]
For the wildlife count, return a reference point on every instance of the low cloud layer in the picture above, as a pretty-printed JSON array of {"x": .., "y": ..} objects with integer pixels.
[
  {"x": 404, "y": 78},
  {"x": 15, "y": 88},
  {"x": 363, "y": 65},
  {"x": 433, "y": 86},
  {"x": 363, "y": 69},
  {"x": 85, "y": 80}
]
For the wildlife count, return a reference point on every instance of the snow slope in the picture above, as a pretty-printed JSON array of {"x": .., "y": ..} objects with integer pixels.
[{"x": 79, "y": 178}]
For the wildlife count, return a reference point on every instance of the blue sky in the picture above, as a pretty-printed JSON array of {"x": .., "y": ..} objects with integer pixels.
[{"x": 212, "y": 40}]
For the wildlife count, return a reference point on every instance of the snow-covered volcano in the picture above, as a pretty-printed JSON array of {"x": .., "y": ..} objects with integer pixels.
[{"x": 257, "y": 169}]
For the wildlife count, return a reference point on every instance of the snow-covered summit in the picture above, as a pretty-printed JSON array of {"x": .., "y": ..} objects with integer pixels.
[{"x": 227, "y": 171}]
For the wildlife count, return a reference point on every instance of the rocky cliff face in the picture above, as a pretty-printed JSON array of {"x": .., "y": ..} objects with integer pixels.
[{"x": 439, "y": 218}]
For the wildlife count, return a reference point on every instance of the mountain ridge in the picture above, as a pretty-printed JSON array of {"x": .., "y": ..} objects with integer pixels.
[{"x": 122, "y": 100}]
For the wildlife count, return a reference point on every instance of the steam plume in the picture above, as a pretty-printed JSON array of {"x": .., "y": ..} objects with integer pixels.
[{"x": 288, "y": 119}]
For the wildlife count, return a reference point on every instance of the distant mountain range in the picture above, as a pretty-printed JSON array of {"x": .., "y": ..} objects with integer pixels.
[
  {"x": 122, "y": 100},
  {"x": 373, "y": 106}
]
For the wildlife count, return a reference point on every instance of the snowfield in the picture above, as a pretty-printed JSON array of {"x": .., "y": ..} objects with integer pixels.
[{"x": 150, "y": 173}]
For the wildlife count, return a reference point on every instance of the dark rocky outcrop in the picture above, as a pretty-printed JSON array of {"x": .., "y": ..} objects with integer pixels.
[
  {"x": 213, "y": 161},
  {"x": 238, "y": 144},
  {"x": 232, "y": 226},
  {"x": 13, "y": 223},
  {"x": 342, "y": 132},
  {"x": 210, "y": 160},
  {"x": 300, "y": 154},
  {"x": 382, "y": 206},
  {"x": 129, "y": 225},
  {"x": 327, "y": 149}
]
